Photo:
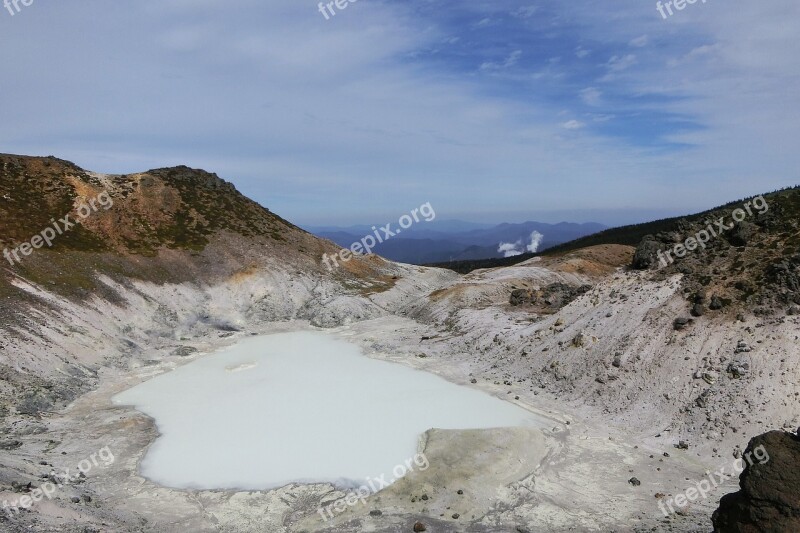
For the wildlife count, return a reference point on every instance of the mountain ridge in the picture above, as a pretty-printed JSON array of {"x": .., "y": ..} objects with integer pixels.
[
  {"x": 431, "y": 245},
  {"x": 686, "y": 361}
]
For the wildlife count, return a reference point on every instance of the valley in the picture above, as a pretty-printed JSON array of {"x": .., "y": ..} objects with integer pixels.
[{"x": 637, "y": 409}]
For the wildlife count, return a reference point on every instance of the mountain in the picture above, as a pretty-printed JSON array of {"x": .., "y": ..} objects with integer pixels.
[
  {"x": 436, "y": 225},
  {"x": 439, "y": 242},
  {"x": 649, "y": 376},
  {"x": 782, "y": 206}
]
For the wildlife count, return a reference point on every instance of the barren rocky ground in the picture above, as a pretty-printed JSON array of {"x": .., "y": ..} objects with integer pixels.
[{"x": 641, "y": 405}]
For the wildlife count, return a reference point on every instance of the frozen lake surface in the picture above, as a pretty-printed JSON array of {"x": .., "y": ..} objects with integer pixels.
[{"x": 299, "y": 407}]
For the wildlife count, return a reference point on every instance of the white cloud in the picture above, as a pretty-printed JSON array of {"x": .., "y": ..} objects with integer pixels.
[
  {"x": 696, "y": 53},
  {"x": 733, "y": 70},
  {"x": 616, "y": 65},
  {"x": 640, "y": 41},
  {"x": 620, "y": 63},
  {"x": 300, "y": 111},
  {"x": 573, "y": 125},
  {"x": 509, "y": 62},
  {"x": 525, "y": 12},
  {"x": 591, "y": 96},
  {"x": 602, "y": 117}
]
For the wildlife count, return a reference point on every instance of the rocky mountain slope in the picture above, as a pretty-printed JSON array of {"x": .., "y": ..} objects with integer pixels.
[
  {"x": 107, "y": 286},
  {"x": 651, "y": 376}
]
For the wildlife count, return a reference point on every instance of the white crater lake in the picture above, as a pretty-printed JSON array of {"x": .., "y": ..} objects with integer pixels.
[{"x": 299, "y": 407}]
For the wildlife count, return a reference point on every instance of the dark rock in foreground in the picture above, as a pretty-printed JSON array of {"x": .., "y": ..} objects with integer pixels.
[{"x": 769, "y": 498}]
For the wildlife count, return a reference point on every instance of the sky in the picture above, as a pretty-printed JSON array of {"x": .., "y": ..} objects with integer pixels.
[{"x": 492, "y": 111}]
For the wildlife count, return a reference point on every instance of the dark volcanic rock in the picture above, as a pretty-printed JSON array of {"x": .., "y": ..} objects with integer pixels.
[
  {"x": 556, "y": 295},
  {"x": 646, "y": 255},
  {"x": 681, "y": 323},
  {"x": 559, "y": 295},
  {"x": 702, "y": 400},
  {"x": 716, "y": 303},
  {"x": 784, "y": 277},
  {"x": 35, "y": 403},
  {"x": 768, "y": 499},
  {"x": 742, "y": 233},
  {"x": 184, "y": 351},
  {"x": 522, "y": 297},
  {"x": 10, "y": 444}
]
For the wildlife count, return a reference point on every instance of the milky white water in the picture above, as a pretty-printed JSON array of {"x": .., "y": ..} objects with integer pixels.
[{"x": 299, "y": 406}]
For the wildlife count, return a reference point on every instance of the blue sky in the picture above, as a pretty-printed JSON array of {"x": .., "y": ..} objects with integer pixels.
[{"x": 490, "y": 110}]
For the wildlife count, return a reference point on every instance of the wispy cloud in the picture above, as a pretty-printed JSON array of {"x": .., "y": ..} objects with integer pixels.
[
  {"x": 525, "y": 12},
  {"x": 640, "y": 41},
  {"x": 509, "y": 62},
  {"x": 573, "y": 125},
  {"x": 591, "y": 96},
  {"x": 301, "y": 111},
  {"x": 620, "y": 63}
]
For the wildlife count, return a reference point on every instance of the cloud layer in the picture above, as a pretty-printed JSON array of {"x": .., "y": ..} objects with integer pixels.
[{"x": 571, "y": 105}]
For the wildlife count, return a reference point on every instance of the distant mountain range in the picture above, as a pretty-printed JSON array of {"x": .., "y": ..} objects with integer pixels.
[{"x": 455, "y": 240}]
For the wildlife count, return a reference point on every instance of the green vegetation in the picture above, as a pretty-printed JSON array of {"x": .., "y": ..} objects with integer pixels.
[
  {"x": 164, "y": 209},
  {"x": 785, "y": 201}
]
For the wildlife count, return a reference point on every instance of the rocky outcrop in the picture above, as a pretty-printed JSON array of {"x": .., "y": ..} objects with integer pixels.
[
  {"x": 522, "y": 297},
  {"x": 784, "y": 277},
  {"x": 555, "y": 295},
  {"x": 646, "y": 255},
  {"x": 769, "y": 498},
  {"x": 560, "y": 294},
  {"x": 742, "y": 233}
]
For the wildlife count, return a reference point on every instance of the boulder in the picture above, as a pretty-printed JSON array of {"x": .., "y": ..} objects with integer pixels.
[
  {"x": 716, "y": 304},
  {"x": 184, "y": 351},
  {"x": 522, "y": 297},
  {"x": 784, "y": 277},
  {"x": 646, "y": 255},
  {"x": 559, "y": 295},
  {"x": 698, "y": 310},
  {"x": 681, "y": 323},
  {"x": 579, "y": 341},
  {"x": 768, "y": 496},
  {"x": 742, "y": 233}
]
